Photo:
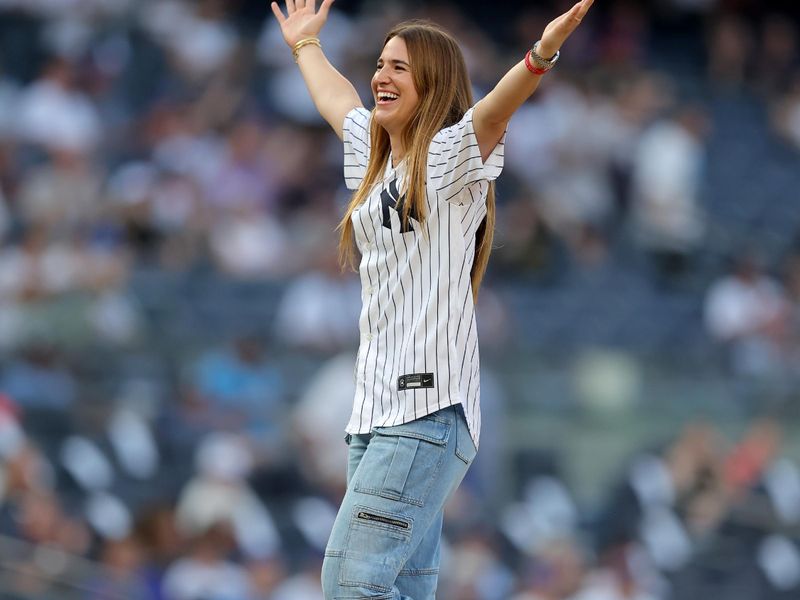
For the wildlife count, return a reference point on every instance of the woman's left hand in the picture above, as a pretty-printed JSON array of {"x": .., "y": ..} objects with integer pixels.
[{"x": 558, "y": 30}]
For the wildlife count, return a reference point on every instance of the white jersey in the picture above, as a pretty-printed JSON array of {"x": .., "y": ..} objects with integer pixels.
[{"x": 418, "y": 350}]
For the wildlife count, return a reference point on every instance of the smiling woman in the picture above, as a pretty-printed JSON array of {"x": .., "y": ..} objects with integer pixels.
[
  {"x": 395, "y": 92},
  {"x": 421, "y": 165}
]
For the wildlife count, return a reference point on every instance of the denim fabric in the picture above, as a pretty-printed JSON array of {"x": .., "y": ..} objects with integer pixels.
[{"x": 385, "y": 544}]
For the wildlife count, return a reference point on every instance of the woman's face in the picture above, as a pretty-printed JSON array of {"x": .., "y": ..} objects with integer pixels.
[{"x": 393, "y": 87}]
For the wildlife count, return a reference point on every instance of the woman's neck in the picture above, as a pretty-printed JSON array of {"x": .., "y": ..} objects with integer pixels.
[{"x": 398, "y": 149}]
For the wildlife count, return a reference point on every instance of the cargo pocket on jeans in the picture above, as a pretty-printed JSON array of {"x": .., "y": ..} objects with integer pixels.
[
  {"x": 409, "y": 458},
  {"x": 377, "y": 544}
]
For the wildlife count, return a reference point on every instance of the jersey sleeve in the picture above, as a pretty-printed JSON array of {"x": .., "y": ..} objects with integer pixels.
[
  {"x": 355, "y": 136},
  {"x": 455, "y": 159}
]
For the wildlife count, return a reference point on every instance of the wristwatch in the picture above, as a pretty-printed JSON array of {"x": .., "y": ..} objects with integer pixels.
[{"x": 540, "y": 62}]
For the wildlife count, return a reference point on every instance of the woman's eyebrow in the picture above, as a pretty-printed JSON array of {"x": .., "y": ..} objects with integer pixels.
[{"x": 394, "y": 61}]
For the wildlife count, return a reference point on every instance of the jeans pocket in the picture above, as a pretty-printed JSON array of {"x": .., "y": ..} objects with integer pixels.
[
  {"x": 376, "y": 548},
  {"x": 405, "y": 460}
]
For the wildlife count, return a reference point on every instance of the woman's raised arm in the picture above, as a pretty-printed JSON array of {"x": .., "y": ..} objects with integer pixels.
[
  {"x": 333, "y": 95},
  {"x": 493, "y": 112}
]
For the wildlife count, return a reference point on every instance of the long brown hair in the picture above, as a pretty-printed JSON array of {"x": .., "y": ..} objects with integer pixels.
[{"x": 445, "y": 94}]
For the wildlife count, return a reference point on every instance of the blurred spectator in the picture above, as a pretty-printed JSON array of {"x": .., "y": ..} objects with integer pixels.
[
  {"x": 38, "y": 273},
  {"x": 250, "y": 244},
  {"x": 37, "y": 269},
  {"x": 472, "y": 570},
  {"x": 746, "y": 311},
  {"x": 219, "y": 495},
  {"x": 749, "y": 459},
  {"x": 181, "y": 142},
  {"x": 667, "y": 501},
  {"x": 526, "y": 245},
  {"x": 207, "y": 572},
  {"x": 319, "y": 310},
  {"x": 41, "y": 519},
  {"x": 55, "y": 114},
  {"x": 38, "y": 378},
  {"x": 132, "y": 439},
  {"x": 239, "y": 388},
  {"x": 304, "y": 585},
  {"x": 24, "y": 469},
  {"x": 577, "y": 136},
  {"x": 319, "y": 418},
  {"x": 123, "y": 560},
  {"x": 617, "y": 578},
  {"x": 547, "y": 514},
  {"x": 553, "y": 573},
  {"x": 115, "y": 318},
  {"x": 198, "y": 35},
  {"x": 244, "y": 177},
  {"x": 266, "y": 576},
  {"x": 665, "y": 199},
  {"x": 129, "y": 195},
  {"x": 161, "y": 545}
]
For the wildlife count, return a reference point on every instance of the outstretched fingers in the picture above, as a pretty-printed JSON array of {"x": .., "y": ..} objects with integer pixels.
[
  {"x": 560, "y": 28},
  {"x": 290, "y": 8},
  {"x": 276, "y": 10},
  {"x": 570, "y": 20},
  {"x": 580, "y": 10},
  {"x": 325, "y": 7}
]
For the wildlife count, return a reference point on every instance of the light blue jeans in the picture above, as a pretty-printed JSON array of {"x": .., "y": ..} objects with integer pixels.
[{"x": 385, "y": 543}]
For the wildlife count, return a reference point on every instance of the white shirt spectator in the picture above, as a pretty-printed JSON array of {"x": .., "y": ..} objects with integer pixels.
[
  {"x": 736, "y": 308},
  {"x": 748, "y": 312},
  {"x": 666, "y": 182},
  {"x": 53, "y": 116}
]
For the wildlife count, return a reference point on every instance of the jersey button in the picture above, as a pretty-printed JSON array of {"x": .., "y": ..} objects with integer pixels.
[{"x": 369, "y": 337}]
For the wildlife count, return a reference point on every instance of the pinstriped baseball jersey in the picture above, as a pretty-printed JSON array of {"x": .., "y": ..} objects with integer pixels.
[{"x": 418, "y": 349}]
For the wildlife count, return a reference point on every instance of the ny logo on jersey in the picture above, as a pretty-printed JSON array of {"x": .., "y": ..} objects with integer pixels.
[{"x": 389, "y": 199}]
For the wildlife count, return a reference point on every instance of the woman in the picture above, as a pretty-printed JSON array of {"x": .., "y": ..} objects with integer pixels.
[{"x": 422, "y": 216}]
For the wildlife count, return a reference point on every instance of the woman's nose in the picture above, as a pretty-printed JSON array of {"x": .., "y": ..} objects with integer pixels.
[{"x": 382, "y": 75}]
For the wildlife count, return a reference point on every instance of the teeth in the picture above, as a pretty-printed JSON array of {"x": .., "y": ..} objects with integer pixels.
[{"x": 387, "y": 96}]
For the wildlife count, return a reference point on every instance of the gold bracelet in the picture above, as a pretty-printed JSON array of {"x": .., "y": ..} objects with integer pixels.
[{"x": 305, "y": 42}]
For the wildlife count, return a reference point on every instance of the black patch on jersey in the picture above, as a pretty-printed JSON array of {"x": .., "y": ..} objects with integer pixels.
[
  {"x": 390, "y": 199},
  {"x": 414, "y": 381}
]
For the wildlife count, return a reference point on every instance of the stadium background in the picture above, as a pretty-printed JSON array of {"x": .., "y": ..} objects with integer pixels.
[{"x": 176, "y": 342}]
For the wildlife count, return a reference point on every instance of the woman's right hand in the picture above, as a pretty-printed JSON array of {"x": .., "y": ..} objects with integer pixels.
[{"x": 303, "y": 20}]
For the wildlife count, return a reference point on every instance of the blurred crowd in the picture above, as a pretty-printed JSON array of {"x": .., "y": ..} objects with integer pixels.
[{"x": 168, "y": 141}]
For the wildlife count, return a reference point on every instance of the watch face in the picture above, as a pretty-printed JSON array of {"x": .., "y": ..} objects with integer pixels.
[{"x": 542, "y": 61}]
